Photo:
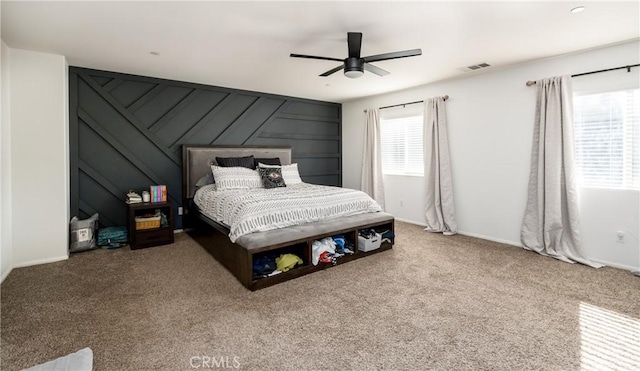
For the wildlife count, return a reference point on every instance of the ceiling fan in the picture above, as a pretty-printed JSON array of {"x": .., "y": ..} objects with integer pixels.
[{"x": 354, "y": 65}]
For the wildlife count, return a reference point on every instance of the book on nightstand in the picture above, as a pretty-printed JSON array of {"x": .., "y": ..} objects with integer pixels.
[
  {"x": 133, "y": 198},
  {"x": 158, "y": 193}
]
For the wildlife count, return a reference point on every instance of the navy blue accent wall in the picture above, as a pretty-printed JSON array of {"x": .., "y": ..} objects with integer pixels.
[{"x": 126, "y": 132}]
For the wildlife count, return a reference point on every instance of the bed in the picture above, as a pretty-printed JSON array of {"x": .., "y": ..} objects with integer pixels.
[{"x": 237, "y": 244}]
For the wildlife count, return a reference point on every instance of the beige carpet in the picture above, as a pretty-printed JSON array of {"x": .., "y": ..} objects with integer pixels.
[{"x": 433, "y": 302}]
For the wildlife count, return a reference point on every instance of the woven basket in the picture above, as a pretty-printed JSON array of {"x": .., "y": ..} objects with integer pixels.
[{"x": 147, "y": 222}]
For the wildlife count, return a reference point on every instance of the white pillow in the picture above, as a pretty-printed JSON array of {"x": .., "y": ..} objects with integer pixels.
[
  {"x": 235, "y": 178},
  {"x": 289, "y": 173}
]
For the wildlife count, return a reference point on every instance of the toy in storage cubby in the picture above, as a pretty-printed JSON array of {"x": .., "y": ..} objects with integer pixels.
[
  {"x": 260, "y": 258},
  {"x": 304, "y": 251}
]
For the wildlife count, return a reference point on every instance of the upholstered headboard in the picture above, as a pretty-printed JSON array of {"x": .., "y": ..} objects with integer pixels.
[{"x": 197, "y": 160}]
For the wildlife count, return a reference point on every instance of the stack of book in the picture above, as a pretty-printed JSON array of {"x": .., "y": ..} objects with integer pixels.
[
  {"x": 158, "y": 193},
  {"x": 133, "y": 198}
]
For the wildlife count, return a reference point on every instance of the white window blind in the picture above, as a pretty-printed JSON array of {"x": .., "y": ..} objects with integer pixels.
[
  {"x": 607, "y": 139},
  {"x": 401, "y": 141}
]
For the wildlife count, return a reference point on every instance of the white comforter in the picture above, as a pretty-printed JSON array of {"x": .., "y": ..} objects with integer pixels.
[{"x": 252, "y": 210}]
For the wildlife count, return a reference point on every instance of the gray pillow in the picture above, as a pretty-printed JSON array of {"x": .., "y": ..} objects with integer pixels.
[
  {"x": 82, "y": 233},
  {"x": 205, "y": 180}
]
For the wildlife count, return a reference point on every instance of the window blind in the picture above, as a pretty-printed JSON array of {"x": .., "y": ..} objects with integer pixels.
[
  {"x": 607, "y": 139},
  {"x": 401, "y": 142}
]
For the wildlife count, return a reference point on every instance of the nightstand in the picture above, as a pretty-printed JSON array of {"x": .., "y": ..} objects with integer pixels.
[{"x": 141, "y": 238}]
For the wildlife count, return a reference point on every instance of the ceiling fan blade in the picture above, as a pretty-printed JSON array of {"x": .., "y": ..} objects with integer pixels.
[
  {"x": 315, "y": 57},
  {"x": 332, "y": 71},
  {"x": 377, "y": 70},
  {"x": 395, "y": 55},
  {"x": 354, "y": 39}
]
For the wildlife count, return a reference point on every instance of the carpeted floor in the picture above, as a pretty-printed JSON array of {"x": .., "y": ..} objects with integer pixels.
[{"x": 433, "y": 302}]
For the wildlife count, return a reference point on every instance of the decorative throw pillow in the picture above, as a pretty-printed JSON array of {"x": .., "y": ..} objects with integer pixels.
[
  {"x": 271, "y": 177},
  {"x": 82, "y": 233},
  {"x": 205, "y": 180},
  {"x": 268, "y": 161},
  {"x": 289, "y": 173},
  {"x": 235, "y": 178},
  {"x": 247, "y": 161}
]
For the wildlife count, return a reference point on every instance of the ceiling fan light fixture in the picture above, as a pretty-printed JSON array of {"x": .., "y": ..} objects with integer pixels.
[
  {"x": 354, "y": 74},
  {"x": 354, "y": 67}
]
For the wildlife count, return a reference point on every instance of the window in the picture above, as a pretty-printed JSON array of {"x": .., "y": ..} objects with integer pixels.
[
  {"x": 401, "y": 141},
  {"x": 607, "y": 139}
]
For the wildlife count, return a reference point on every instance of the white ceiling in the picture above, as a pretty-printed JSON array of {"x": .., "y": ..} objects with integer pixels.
[{"x": 247, "y": 45}]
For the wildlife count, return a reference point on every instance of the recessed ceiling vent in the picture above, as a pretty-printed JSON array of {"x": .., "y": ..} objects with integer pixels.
[{"x": 475, "y": 67}]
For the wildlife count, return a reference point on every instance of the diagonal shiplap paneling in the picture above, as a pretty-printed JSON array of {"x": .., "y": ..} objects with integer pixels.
[{"x": 126, "y": 132}]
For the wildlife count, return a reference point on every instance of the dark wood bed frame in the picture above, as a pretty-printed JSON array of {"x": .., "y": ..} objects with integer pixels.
[{"x": 237, "y": 259}]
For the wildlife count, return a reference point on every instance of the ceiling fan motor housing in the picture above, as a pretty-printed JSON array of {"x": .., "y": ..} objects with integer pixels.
[{"x": 354, "y": 67}]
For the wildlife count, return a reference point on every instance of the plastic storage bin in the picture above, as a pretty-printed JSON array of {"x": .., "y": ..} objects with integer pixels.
[{"x": 368, "y": 244}]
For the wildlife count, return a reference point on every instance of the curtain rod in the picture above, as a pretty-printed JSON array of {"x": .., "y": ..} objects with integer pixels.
[
  {"x": 530, "y": 82},
  {"x": 445, "y": 97}
]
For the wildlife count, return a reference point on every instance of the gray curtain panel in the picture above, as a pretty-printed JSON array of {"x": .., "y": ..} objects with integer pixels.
[
  {"x": 371, "y": 179},
  {"x": 440, "y": 211},
  {"x": 551, "y": 223}
]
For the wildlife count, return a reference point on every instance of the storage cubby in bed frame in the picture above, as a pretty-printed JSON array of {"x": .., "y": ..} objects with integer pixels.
[
  {"x": 304, "y": 250},
  {"x": 239, "y": 261}
]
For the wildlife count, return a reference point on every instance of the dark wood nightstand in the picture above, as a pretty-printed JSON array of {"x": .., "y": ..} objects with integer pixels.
[{"x": 141, "y": 238}]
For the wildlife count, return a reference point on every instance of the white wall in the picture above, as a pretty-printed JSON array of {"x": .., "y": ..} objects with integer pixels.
[
  {"x": 39, "y": 157},
  {"x": 5, "y": 167},
  {"x": 490, "y": 121},
  {"x": 603, "y": 212}
]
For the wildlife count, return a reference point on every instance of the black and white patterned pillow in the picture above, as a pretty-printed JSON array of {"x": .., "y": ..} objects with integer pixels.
[
  {"x": 235, "y": 178},
  {"x": 271, "y": 177},
  {"x": 289, "y": 172}
]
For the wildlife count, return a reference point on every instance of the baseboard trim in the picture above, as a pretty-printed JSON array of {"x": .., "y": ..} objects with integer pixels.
[
  {"x": 40, "y": 261},
  {"x": 616, "y": 265},
  {"x": 410, "y": 222},
  {"x": 483, "y": 237},
  {"x": 470, "y": 234},
  {"x": 32, "y": 262},
  {"x": 517, "y": 244},
  {"x": 6, "y": 274}
]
